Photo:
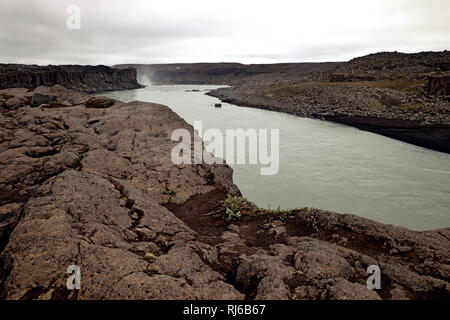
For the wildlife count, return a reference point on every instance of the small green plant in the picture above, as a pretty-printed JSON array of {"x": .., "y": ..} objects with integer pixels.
[
  {"x": 5, "y": 96},
  {"x": 283, "y": 214},
  {"x": 76, "y": 164},
  {"x": 231, "y": 215},
  {"x": 168, "y": 192},
  {"x": 312, "y": 219},
  {"x": 233, "y": 208}
]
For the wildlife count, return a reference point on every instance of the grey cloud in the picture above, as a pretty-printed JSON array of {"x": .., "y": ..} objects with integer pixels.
[{"x": 138, "y": 31}]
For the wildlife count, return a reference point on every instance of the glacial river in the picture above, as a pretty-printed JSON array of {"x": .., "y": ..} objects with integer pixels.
[{"x": 323, "y": 164}]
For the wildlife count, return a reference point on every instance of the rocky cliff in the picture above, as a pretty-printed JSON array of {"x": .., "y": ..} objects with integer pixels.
[
  {"x": 83, "y": 78},
  {"x": 89, "y": 182}
]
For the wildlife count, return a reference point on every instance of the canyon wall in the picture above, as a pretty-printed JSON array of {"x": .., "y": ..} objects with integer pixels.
[{"x": 82, "y": 78}]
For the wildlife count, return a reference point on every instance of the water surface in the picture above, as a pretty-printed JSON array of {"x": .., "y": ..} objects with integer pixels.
[{"x": 324, "y": 164}]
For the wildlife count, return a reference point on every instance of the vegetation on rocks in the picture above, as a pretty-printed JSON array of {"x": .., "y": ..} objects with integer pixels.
[
  {"x": 236, "y": 208},
  {"x": 76, "y": 164},
  {"x": 99, "y": 102}
]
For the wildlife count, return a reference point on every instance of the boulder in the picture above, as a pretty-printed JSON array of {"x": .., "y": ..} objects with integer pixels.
[{"x": 39, "y": 98}]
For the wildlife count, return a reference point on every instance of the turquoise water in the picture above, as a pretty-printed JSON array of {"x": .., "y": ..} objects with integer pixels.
[{"x": 323, "y": 164}]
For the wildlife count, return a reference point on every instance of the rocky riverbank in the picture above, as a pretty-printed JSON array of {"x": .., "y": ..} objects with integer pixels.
[
  {"x": 89, "y": 181},
  {"x": 82, "y": 78},
  {"x": 403, "y": 96},
  {"x": 424, "y": 121}
]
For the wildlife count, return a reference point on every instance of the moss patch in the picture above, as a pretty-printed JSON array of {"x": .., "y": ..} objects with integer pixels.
[
  {"x": 76, "y": 164},
  {"x": 99, "y": 103}
]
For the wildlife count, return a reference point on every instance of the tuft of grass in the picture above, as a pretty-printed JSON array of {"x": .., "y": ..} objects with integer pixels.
[
  {"x": 311, "y": 218},
  {"x": 168, "y": 192},
  {"x": 232, "y": 208},
  {"x": 235, "y": 208}
]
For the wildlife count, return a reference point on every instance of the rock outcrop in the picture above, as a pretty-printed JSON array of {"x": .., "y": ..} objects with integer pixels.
[
  {"x": 82, "y": 78},
  {"x": 95, "y": 187}
]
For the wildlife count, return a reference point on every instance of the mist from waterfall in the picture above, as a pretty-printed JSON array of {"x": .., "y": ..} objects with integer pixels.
[{"x": 145, "y": 80}]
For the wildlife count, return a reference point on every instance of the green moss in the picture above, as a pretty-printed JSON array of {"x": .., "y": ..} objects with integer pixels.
[
  {"x": 108, "y": 103},
  {"x": 76, "y": 164},
  {"x": 100, "y": 103}
]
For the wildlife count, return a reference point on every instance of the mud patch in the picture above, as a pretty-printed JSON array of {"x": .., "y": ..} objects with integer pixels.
[{"x": 194, "y": 213}]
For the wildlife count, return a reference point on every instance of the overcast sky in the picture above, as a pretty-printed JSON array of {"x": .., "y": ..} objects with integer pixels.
[{"x": 165, "y": 31}]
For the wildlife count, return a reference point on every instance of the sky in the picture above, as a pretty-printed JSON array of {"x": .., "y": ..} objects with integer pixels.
[{"x": 168, "y": 31}]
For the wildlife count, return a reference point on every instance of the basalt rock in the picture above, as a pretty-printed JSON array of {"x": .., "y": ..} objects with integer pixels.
[
  {"x": 39, "y": 98},
  {"x": 96, "y": 188},
  {"x": 82, "y": 78}
]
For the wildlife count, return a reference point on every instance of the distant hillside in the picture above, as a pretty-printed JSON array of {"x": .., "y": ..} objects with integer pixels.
[{"x": 219, "y": 73}]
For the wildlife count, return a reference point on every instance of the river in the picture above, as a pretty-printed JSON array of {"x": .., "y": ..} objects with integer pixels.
[{"x": 323, "y": 164}]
